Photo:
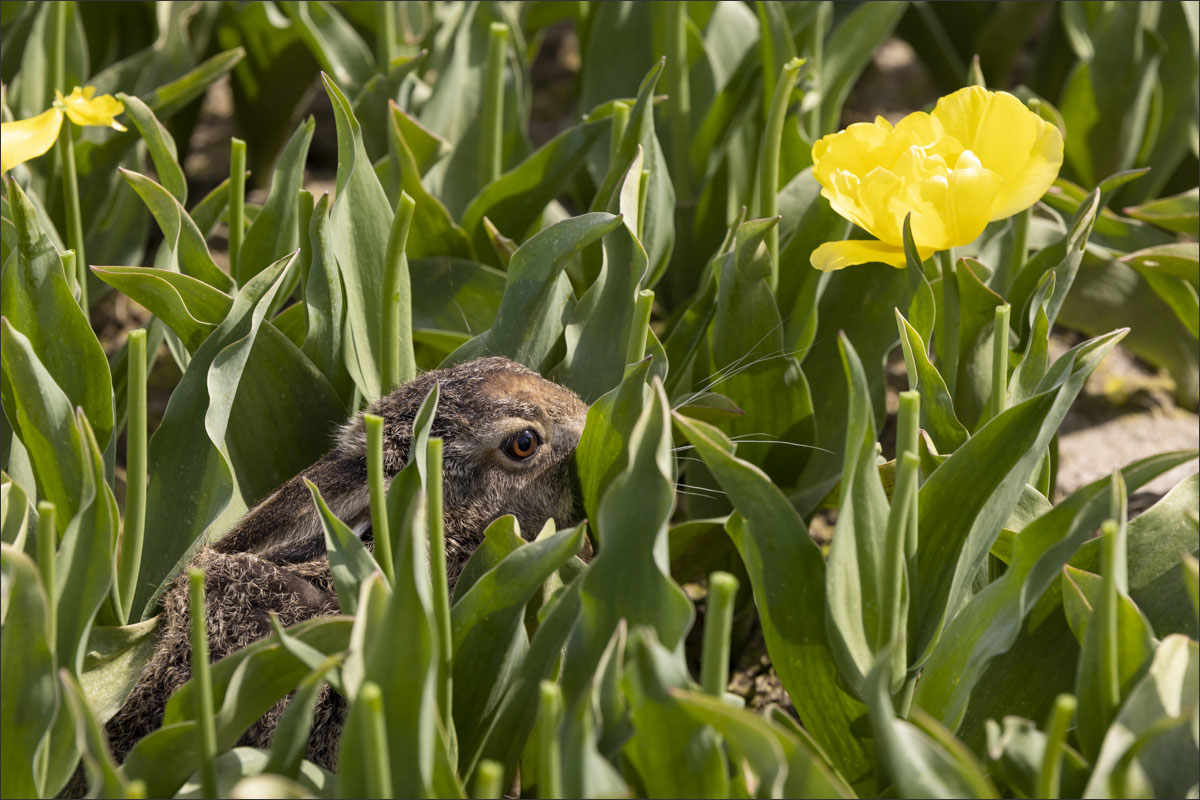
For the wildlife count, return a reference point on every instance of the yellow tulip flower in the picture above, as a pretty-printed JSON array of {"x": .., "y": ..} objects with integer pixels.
[
  {"x": 979, "y": 156},
  {"x": 26, "y": 139}
]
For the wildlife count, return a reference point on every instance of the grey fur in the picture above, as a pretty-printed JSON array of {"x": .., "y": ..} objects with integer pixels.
[{"x": 274, "y": 558}]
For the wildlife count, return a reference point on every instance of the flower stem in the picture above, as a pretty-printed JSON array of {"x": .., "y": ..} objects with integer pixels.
[
  {"x": 204, "y": 691},
  {"x": 47, "y": 546},
  {"x": 768, "y": 165},
  {"x": 1056, "y": 734},
  {"x": 947, "y": 322},
  {"x": 640, "y": 331},
  {"x": 620, "y": 121},
  {"x": 237, "y": 205},
  {"x": 374, "y": 735},
  {"x": 999, "y": 400},
  {"x": 493, "y": 103},
  {"x": 399, "y": 364},
  {"x": 66, "y": 148},
  {"x": 489, "y": 776},
  {"x": 894, "y": 619},
  {"x": 133, "y": 528},
  {"x": 373, "y": 424},
  {"x": 550, "y": 777},
  {"x": 386, "y": 49},
  {"x": 437, "y": 562},
  {"x": 680, "y": 99},
  {"x": 718, "y": 622}
]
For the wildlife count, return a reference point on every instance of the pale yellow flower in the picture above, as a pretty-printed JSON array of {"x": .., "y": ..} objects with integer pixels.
[
  {"x": 980, "y": 156},
  {"x": 26, "y": 139}
]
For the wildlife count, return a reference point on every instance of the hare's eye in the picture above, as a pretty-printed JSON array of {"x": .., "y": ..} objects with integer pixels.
[{"x": 522, "y": 444}]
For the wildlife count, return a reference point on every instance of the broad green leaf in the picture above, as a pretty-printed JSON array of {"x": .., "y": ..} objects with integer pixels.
[
  {"x": 937, "y": 407},
  {"x": 1063, "y": 257},
  {"x": 858, "y": 302},
  {"x": 1016, "y": 751},
  {"x": 992, "y": 620},
  {"x": 325, "y": 303},
  {"x": 289, "y": 742},
  {"x": 37, "y": 301},
  {"x": 601, "y": 453},
  {"x": 537, "y": 294},
  {"x": 433, "y": 232},
  {"x": 246, "y": 684},
  {"x": 787, "y": 574},
  {"x": 113, "y": 662},
  {"x": 748, "y": 352},
  {"x": 962, "y": 508},
  {"x": 40, "y": 415},
  {"x": 847, "y": 52},
  {"x": 189, "y": 306},
  {"x": 17, "y": 513},
  {"x": 517, "y": 712},
  {"x": 674, "y": 754},
  {"x": 489, "y": 639},
  {"x": 359, "y": 225},
  {"x": 976, "y": 305},
  {"x": 243, "y": 772},
  {"x": 188, "y": 250},
  {"x": 1164, "y": 754},
  {"x": 1180, "y": 212},
  {"x": 458, "y": 55},
  {"x": 30, "y": 700},
  {"x": 275, "y": 231},
  {"x": 102, "y": 772},
  {"x": 1034, "y": 361},
  {"x": 515, "y": 200},
  {"x": 598, "y": 334},
  {"x": 784, "y": 763},
  {"x": 159, "y": 143},
  {"x": 858, "y": 571},
  {"x": 333, "y": 41},
  {"x": 349, "y": 561},
  {"x": 85, "y": 565},
  {"x": 500, "y": 539},
  {"x": 191, "y": 474},
  {"x": 918, "y": 764}
]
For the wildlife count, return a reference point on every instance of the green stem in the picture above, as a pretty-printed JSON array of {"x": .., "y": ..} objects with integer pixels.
[
  {"x": 375, "y": 481},
  {"x": 47, "y": 546},
  {"x": 680, "y": 100},
  {"x": 204, "y": 691},
  {"x": 1048, "y": 778},
  {"x": 906, "y": 695},
  {"x": 908, "y": 425},
  {"x": 1019, "y": 246},
  {"x": 306, "y": 205},
  {"x": 237, "y": 205},
  {"x": 489, "y": 777},
  {"x": 1105, "y": 616},
  {"x": 134, "y": 526},
  {"x": 718, "y": 622},
  {"x": 441, "y": 586},
  {"x": 768, "y": 167},
  {"x": 999, "y": 400},
  {"x": 549, "y": 783},
  {"x": 399, "y": 364},
  {"x": 639, "y": 333},
  {"x": 620, "y": 121},
  {"x": 894, "y": 622},
  {"x": 493, "y": 103},
  {"x": 66, "y": 147},
  {"x": 374, "y": 735},
  {"x": 386, "y": 46},
  {"x": 947, "y": 321}
]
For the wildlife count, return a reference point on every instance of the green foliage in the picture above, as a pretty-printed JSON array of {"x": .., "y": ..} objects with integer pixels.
[{"x": 962, "y": 636}]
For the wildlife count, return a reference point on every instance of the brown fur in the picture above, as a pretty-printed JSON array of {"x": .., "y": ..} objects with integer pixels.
[{"x": 274, "y": 558}]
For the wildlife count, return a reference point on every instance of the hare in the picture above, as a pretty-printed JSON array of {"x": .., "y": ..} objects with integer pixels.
[{"x": 508, "y": 438}]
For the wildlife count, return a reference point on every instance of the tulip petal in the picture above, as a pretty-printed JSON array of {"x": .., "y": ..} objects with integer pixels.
[
  {"x": 839, "y": 255},
  {"x": 1008, "y": 139},
  {"x": 28, "y": 138},
  {"x": 83, "y": 108}
]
